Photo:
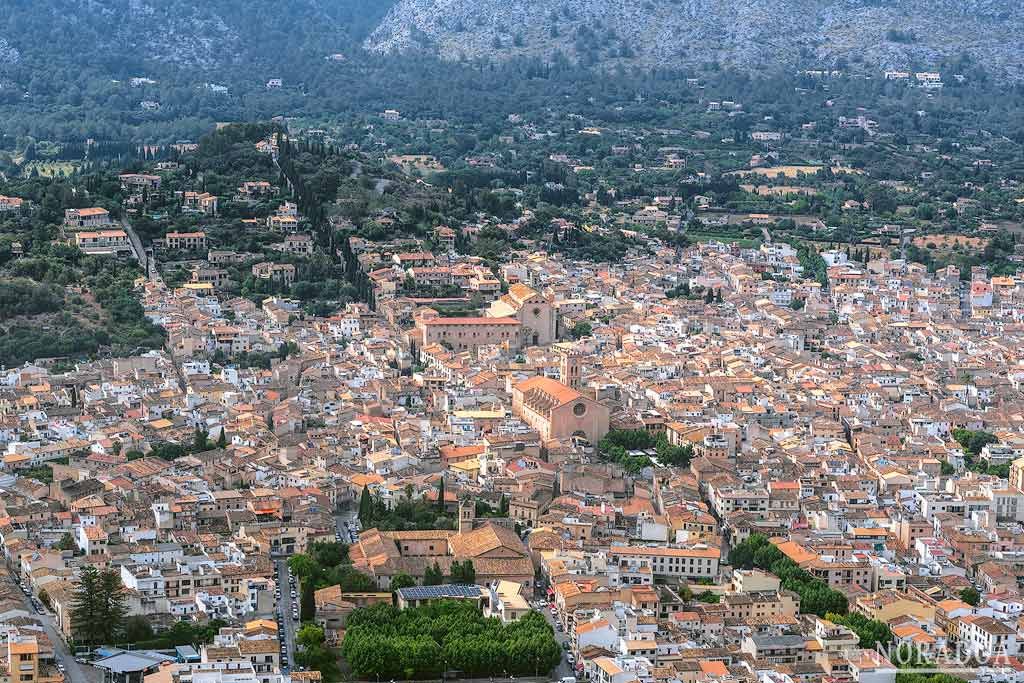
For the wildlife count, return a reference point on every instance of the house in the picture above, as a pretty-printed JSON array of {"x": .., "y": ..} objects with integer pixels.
[
  {"x": 776, "y": 649},
  {"x": 506, "y": 601},
  {"x": 86, "y": 219},
  {"x": 283, "y": 273},
  {"x": 298, "y": 244},
  {"x": 418, "y": 596},
  {"x": 984, "y": 637},
  {"x": 333, "y": 607},
  {"x": 199, "y": 202},
  {"x": 696, "y": 562},
  {"x": 103, "y": 242},
  {"x": 28, "y": 660},
  {"x": 11, "y": 203},
  {"x": 186, "y": 241},
  {"x": 137, "y": 182},
  {"x": 216, "y": 277},
  {"x": 129, "y": 667},
  {"x": 252, "y": 190},
  {"x": 468, "y": 333}
]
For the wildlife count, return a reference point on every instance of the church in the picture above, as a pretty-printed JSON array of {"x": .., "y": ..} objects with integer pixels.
[
  {"x": 496, "y": 551},
  {"x": 532, "y": 310}
]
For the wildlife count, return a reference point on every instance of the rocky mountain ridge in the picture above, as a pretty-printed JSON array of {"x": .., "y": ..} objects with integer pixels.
[
  {"x": 748, "y": 34},
  {"x": 864, "y": 35}
]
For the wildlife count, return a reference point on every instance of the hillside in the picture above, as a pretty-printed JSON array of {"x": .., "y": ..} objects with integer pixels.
[
  {"x": 748, "y": 34},
  {"x": 123, "y": 38},
  {"x": 210, "y": 34}
]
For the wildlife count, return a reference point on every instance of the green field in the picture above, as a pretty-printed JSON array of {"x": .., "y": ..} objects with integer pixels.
[{"x": 49, "y": 169}]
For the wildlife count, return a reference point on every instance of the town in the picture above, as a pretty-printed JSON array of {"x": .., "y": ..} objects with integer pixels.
[{"x": 579, "y": 400}]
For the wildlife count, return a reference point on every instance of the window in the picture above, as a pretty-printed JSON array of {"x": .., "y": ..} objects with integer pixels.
[{"x": 579, "y": 410}]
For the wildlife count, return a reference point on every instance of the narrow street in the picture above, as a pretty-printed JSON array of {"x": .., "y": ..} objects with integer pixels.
[
  {"x": 341, "y": 519},
  {"x": 74, "y": 671},
  {"x": 140, "y": 252},
  {"x": 563, "y": 669},
  {"x": 284, "y": 610}
]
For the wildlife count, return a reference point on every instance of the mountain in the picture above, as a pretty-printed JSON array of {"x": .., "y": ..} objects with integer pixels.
[
  {"x": 749, "y": 34},
  {"x": 130, "y": 37},
  {"x": 205, "y": 34}
]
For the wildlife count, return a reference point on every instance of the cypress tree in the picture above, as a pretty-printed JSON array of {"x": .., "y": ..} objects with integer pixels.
[{"x": 365, "y": 507}]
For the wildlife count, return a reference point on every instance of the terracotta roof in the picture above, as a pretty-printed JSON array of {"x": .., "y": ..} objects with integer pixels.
[
  {"x": 472, "y": 321},
  {"x": 559, "y": 392}
]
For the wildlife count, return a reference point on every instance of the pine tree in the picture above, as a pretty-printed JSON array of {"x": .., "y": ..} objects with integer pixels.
[
  {"x": 112, "y": 606},
  {"x": 84, "y": 606},
  {"x": 98, "y": 606},
  {"x": 200, "y": 440}
]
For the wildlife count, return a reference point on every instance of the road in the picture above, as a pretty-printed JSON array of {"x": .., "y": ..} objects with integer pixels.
[
  {"x": 140, "y": 252},
  {"x": 342, "y": 518},
  {"x": 74, "y": 672},
  {"x": 146, "y": 262},
  {"x": 285, "y": 610},
  {"x": 563, "y": 669}
]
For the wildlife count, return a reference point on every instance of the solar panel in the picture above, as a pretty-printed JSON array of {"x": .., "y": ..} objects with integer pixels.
[{"x": 439, "y": 592}]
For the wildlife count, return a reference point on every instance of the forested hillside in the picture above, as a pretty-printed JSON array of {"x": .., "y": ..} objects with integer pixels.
[{"x": 123, "y": 37}]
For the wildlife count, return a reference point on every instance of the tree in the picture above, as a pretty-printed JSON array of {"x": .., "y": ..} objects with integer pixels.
[
  {"x": 66, "y": 542},
  {"x": 417, "y": 643},
  {"x": 112, "y": 607},
  {"x": 309, "y": 636},
  {"x": 222, "y": 440},
  {"x": 402, "y": 580},
  {"x": 137, "y": 629},
  {"x": 440, "y": 494},
  {"x": 302, "y": 565},
  {"x": 85, "y": 612},
  {"x": 307, "y": 602},
  {"x": 870, "y": 631},
  {"x": 200, "y": 440},
  {"x": 463, "y": 572},
  {"x": 365, "y": 507},
  {"x": 971, "y": 596},
  {"x": 98, "y": 606},
  {"x": 581, "y": 329},
  {"x": 433, "y": 576}
]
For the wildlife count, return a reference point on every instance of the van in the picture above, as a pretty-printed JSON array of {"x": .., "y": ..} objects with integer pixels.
[{"x": 568, "y": 679}]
